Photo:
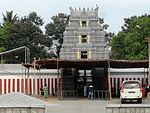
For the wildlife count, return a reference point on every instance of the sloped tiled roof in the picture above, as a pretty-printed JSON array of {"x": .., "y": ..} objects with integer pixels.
[
  {"x": 88, "y": 64},
  {"x": 18, "y": 70},
  {"x": 16, "y": 99}
]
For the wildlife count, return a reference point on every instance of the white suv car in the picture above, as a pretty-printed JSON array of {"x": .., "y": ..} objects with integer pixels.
[{"x": 131, "y": 90}]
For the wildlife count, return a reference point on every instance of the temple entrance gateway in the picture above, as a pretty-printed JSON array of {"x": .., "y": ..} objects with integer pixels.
[
  {"x": 75, "y": 82},
  {"x": 84, "y": 40}
]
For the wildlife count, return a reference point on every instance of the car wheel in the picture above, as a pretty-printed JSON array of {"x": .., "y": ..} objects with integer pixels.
[{"x": 139, "y": 101}]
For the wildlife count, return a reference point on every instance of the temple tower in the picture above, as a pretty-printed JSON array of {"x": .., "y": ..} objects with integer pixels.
[{"x": 84, "y": 37}]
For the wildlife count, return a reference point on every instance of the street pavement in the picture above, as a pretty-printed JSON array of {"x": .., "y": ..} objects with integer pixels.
[{"x": 53, "y": 105}]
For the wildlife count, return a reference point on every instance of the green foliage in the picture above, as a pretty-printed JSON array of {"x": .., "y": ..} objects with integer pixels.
[
  {"x": 131, "y": 43},
  {"x": 56, "y": 28},
  {"x": 117, "y": 45},
  {"x": 9, "y": 18},
  {"x": 4, "y": 32},
  {"x": 34, "y": 18},
  {"x": 24, "y": 32}
]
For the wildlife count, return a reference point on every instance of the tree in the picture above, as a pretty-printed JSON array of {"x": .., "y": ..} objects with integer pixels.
[
  {"x": 56, "y": 28},
  {"x": 4, "y": 32},
  {"x": 35, "y": 19},
  {"x": 117, "y": 45},
  {"x": 9, "y": 18},
  {"x": 26, "y": 32},
  {"x": 131, "y": 43}
]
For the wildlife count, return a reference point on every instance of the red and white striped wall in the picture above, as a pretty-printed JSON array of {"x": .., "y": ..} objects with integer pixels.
[{"x": 26, "y": 85}]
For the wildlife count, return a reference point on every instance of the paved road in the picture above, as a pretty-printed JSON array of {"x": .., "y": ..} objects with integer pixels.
[
  {"x": 81, "y": 106},
  {"x": 76, "y": 106}
]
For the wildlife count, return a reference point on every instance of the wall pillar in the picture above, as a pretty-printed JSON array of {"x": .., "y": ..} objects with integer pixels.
[
  {"x": 148, "y": 59},
  {"x": 109, "y": 83}
]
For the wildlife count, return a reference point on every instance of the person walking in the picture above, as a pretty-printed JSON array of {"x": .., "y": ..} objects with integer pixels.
[
  {"x": 90, "y": 93},
  {"x": 45, "y": 91}
]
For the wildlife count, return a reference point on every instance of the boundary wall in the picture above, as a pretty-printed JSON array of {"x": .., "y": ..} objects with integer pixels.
[{"x": 27, "y": 85}]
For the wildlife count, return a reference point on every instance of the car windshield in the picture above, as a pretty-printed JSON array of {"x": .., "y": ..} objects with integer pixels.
[{"x": 131, "y": 85}]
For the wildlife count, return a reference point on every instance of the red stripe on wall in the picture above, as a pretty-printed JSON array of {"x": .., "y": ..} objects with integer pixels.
[
  {"x": 41, "y": 82},
  {"x": 18, "y": 85},
  {"x": 52, "y": 86},
  {"x": 4, "y": 86},
  {"x": 8, "y": 85},
  {"x": 26, "y": 86},
  {"x": 30, "y": 82},
  {"x": 22, "y": 85},
  {"x": 38, "y": 89},
  {"x": 0, "y": 86},
  {"x": 45, "y": 82},
  {"x": 118, "y": 86},
  {"x": 33, "y": 86},
  {"x": 48, "y": 86},
  {"x": 55, "y": 85},
  {"x": 110, "y": 83},
  {"x": 13, "y": 85},
  {"x": 115, "y": 85}
]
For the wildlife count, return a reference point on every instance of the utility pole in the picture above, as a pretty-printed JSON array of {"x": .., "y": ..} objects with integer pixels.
[
  {"x": 35, "y": 79},
  {"x": 148, "y": 39}
]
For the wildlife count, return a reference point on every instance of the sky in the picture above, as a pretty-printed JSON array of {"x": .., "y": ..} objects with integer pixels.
[{"x": 113, "y": 11}]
